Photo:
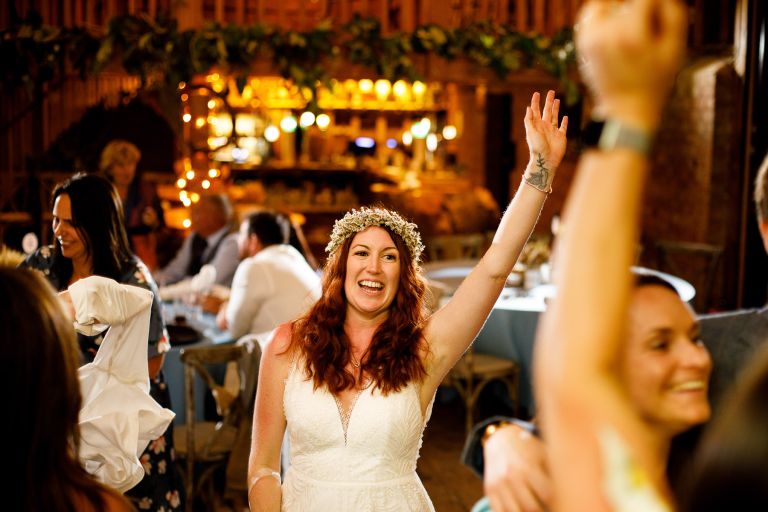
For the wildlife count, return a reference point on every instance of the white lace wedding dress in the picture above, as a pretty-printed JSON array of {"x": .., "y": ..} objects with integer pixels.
[{"x": 366, "y": 463}]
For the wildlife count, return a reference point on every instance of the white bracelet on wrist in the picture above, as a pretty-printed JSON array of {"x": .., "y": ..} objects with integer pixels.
[{"x": 263, "y": 473}]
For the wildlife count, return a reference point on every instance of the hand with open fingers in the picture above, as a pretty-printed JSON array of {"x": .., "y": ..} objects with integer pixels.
[
  {"x": 629, "y": 54},
  {"x": 516, "y": 477},
  {"x": 546, "y": 140}
]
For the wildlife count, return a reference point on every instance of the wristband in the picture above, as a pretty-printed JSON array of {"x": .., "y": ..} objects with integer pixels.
[{"x": 613, "y": 134}]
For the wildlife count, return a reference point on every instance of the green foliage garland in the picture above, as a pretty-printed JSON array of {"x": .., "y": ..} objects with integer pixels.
[{"x": 32, "y": 54}]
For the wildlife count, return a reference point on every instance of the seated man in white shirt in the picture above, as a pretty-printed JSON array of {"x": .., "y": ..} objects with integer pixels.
[
  {"x": 210, "y": 242},
  {"x": 273, "y": 284}
]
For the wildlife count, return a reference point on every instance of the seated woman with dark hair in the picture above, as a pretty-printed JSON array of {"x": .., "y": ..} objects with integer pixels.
[{"x": 41, "y": 427}]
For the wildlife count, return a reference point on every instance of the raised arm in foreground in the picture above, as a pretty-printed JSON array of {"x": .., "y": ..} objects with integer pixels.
[{"x": 631, "y": 53}]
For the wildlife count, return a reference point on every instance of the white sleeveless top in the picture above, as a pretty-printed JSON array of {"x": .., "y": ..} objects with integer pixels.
[{"x": 369, "y": 466}]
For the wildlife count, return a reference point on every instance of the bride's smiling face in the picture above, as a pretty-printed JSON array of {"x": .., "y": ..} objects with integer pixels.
[{"x": 372, "y": 273}]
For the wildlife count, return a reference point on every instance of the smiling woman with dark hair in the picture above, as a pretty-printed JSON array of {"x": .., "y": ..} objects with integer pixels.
[{"x": 91, "y": 240}]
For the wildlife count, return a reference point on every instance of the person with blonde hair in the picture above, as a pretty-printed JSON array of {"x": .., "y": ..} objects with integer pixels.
[{"x": 141, "y": 205}]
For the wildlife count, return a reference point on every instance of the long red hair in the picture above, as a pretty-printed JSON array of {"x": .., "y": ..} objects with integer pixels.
[{"x": 394, "y": 357}]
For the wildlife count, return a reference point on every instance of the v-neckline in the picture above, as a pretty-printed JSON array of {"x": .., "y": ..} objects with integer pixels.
[{"x": 346, "y": 415}]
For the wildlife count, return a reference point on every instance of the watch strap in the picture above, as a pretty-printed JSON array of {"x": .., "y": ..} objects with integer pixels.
[{"x": 614, "y": 134}]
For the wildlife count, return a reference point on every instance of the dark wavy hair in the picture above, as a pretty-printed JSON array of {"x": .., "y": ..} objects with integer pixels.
[
  {"x": 395, "y": 356},
  {"x": 97, "y": 215},
  {"x": 41, "y": 358}
]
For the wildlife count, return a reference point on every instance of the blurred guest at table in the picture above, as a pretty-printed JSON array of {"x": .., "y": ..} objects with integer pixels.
[
  {"x": 210, "y": 242},
  {"x": 141, "y": 205},
  {"x": 91, "y": 240},
  {"x": 41, "y": 426},
  {"x": 273, "y": 284}
]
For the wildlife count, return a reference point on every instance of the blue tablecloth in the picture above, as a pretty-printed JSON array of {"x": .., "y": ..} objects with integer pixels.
[
  {"x": 510, "y": 332},
  {"x": 173, "y": 368}
]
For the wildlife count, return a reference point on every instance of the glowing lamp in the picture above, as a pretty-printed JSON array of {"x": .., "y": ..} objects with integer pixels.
[
  {"x": 323, "y": 121},
  {"x": 288, "y": 124},
  {"x": 306, "y": 119}
]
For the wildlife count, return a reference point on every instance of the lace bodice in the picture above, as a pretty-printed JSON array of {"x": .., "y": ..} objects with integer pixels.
[{"x": 371, "y": 467}]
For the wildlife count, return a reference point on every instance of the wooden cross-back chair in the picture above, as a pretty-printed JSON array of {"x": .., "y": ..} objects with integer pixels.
[{"x": 206, "y": 446}]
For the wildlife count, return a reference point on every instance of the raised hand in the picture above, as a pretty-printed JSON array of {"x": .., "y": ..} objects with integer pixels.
[
  {"x": 629, "y": 54},
  {"x": 546, "y": 140}
]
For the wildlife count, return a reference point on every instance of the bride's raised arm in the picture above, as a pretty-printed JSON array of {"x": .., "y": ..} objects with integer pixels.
[{"x": 451, "y": 330}]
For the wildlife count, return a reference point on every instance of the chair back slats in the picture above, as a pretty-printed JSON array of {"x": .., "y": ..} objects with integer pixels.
[{"x": 207, "y": 442}]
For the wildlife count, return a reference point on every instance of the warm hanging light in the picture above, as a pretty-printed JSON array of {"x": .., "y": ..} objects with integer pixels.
[
  {"x": 271, "y": 133},
  {"x": 199, "y": 122},
  {"x": 449, "y": 132},
  {"x": 400, "y": 90},
  {"x": 213, "y": 173},
  {"x": 382, "y": 89},
  {"x": 407, "y": 138},
  {"x": 187, "y": 117},
  {"x": 186, "y": 223},
  {"x": 245, "y": 124},
  {"x": 288, "y": 124},
  {"x": 206, "y": 184},
  {"x": 432, "y": 142},
  {"x": 181, "y": 183},
  {"x": 323, "y": 121},
  {"x": 190, "y": 174},
  {"x": 420, "y": 129},
  {"x": 419, "y": 88},
  {"x": 365, "y": 85},
  {"x": 306, "y": 119}
]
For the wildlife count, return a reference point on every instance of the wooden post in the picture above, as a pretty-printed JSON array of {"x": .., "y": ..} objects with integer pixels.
[
  {"x": 539, "y": 18},
  {"x": 521, "y": 15}
]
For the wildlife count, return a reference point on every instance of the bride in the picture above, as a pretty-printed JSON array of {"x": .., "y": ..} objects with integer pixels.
[{"x": 353, "y": 381}]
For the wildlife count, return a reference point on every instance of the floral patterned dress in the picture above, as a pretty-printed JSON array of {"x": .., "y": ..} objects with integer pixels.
[{"x": 162, "y": 489}]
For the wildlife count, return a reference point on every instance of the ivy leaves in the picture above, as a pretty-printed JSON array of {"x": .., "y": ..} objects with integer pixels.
[{"x": 160, "y": 54}]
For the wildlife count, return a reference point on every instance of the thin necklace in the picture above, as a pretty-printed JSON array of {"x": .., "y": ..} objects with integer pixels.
[{"x": 356, "y": 362}]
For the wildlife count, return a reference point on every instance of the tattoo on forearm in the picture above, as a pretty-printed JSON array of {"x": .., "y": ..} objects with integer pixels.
[{"x": 539, "y": 178}]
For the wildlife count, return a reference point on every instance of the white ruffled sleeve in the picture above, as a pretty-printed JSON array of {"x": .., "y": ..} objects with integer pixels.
[{"x": 118, "y": 417}]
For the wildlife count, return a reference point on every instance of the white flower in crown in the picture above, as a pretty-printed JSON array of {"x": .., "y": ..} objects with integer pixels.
[{"x": 357, "y": 220}]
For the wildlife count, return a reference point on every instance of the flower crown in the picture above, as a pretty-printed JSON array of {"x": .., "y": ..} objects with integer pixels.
[{"x": 357, "y": 220}]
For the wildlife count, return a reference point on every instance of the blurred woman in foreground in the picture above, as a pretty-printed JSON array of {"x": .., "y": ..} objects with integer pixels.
[{"x": 43, "y": 401}]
